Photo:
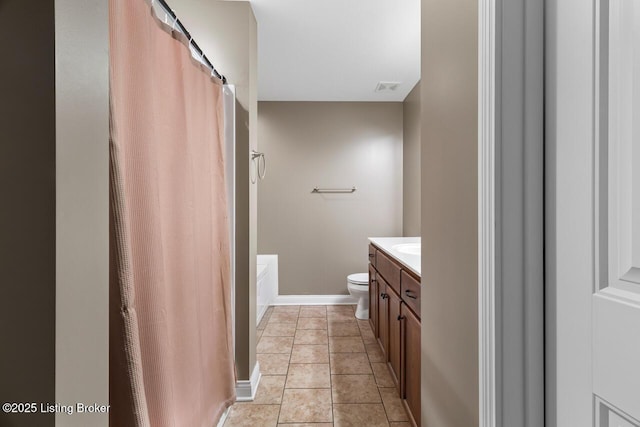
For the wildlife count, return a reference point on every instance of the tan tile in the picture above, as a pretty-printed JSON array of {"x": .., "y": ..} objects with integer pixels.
[
  {"x": 306, "y": 406},
  {"x": 308, "y": 375},
  {"x": 284, "y": 317},
  {"x": 279, "y": 330},
  {"x": 270, "y": 390},
  {"x": 273, "y": 364},
  {"x": 312, "y": 323},
  {"x": 286, "y": 309},
  {"x": 354, "y": 389},
  {"x": 364, "y": 324},
  {"x": 382, "y": 374},
  {"x": 367, "y": 336},
  {"x": 263, "y": 322},
  {"x": 310, "y": 353},
  {"x": 313, "y": 311},
  {"x": 401, "y": 424},
  {"x": 346, "y": 345},
  {"x": 350, "y": 363},
  {"x": 343, "y": 329},
  {"x": 259, "y": 334},
  {"x": 340, "y": 316},
  {"x": 393, "y": 405},
  {"x": 374, "y": 352},
  {"x": 348, "y": 309},
  {"x": 307, "y": 425},
  {"x": 274, "y": 345},
  {"x": 243, "y": 414},
  {"x": 359, "y": 414},
  {"x": 311, "y": 336}
]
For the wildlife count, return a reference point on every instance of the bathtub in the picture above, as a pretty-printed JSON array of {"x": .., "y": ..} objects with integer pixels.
[{"x": 266, "y": 283}]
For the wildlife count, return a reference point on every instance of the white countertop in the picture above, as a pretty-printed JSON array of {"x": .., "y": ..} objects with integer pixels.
[{"x": 412, "y": 262}]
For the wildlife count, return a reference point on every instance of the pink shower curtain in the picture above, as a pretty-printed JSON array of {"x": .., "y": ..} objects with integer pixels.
[{"x": 171, "y": 356}]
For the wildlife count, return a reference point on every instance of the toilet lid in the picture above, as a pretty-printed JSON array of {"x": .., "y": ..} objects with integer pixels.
[{"x": 359, "y": 278}]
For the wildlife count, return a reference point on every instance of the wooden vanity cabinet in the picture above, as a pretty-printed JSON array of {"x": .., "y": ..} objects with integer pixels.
[
  {"x": 389, "y": 270},
  {"x": 373, "y": 300},
  {"x": 410, "y": 377},
  {"x": 410, "y": 291},
  {"x": 394, "y": 315},
  {"x": 372, "y": 255},
  {"x": 383, "y": 315},
  {"x": 395, "y": 348}
]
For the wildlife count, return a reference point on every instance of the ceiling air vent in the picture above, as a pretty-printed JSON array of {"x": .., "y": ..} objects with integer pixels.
[{"x": 387, "y": 86}]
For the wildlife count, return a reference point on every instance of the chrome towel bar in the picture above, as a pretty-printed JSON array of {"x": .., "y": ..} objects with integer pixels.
[{"x": 334, "y": 190}]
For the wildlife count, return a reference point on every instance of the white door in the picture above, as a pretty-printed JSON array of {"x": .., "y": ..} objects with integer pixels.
[{"x": 593, "y": 213}]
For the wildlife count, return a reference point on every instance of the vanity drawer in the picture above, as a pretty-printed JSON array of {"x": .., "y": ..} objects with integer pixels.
[
  {"x": 389, "y": 270},
  {"x": 410, "y": 294},
  {"x": 372, "y": 254}
]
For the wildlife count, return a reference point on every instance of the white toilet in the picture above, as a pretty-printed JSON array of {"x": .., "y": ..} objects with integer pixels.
[{"x": 358, "y": 286}]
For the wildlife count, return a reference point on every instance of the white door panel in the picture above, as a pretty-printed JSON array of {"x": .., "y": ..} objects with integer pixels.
[
  {"x": 616, "y": 353},
  {"x": 607, "y": 416},
  {"x": 594, "y": 131}
]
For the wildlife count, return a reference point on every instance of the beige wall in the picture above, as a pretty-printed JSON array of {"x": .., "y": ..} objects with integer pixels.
[
  {"x": 411, "y": 163},
  {"x": 82, "y": 207},
  {"x": 449, "y": 213},
  {"x": 227, "y": 33},
  {"x": 321, "y": 238},
  {"x": 27, "y": 215}
]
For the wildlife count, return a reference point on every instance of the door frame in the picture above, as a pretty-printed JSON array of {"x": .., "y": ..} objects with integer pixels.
[{"x": 511, "y": 212}]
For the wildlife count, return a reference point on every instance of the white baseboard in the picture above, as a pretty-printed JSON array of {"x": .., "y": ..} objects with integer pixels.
[
  {"x": 224, "y": 416},
  {"x": 314, "y": 300},
  {"x": 246, "y": 389}
]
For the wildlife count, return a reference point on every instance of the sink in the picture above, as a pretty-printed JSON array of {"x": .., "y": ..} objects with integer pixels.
[{"x": 408, "y": 248}]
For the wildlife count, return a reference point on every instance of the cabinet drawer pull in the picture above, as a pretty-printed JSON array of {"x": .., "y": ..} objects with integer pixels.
[
  {"x": 400, "y": 317},
  {"x": 370, "y": 255},
  {"x": 409, "y": 294}
]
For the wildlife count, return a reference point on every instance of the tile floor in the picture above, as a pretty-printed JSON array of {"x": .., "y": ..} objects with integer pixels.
[{"x": 320, "y": 367}]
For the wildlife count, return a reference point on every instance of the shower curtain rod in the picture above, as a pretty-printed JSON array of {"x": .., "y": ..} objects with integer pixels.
[{"x": 192, "y": 42}]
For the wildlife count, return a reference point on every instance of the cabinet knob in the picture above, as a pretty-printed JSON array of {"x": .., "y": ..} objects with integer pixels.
[
  {"x": 400, "y": 317},
  {"x": 370, "y": 255}
]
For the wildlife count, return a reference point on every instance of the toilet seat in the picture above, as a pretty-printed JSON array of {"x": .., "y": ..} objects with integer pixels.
[
  {"x": 360, "y": 279},
  {"x": 358, "y": 288}
]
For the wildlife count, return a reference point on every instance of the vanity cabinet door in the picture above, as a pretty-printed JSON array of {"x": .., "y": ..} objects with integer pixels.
[
  {"x": 410, "y": 387},
  {"x": 373, "y": 300},
  {"x": 383, "y": 316},
  {"x": 394, "y": 354}
]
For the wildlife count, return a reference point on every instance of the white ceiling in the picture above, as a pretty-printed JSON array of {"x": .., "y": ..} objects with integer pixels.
[{"x": 336, "y": 50}]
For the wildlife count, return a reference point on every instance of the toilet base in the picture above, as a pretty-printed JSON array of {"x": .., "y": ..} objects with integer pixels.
[
  {"x": 362, "y": 309},
  {"x": 361, "y": 292}
]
